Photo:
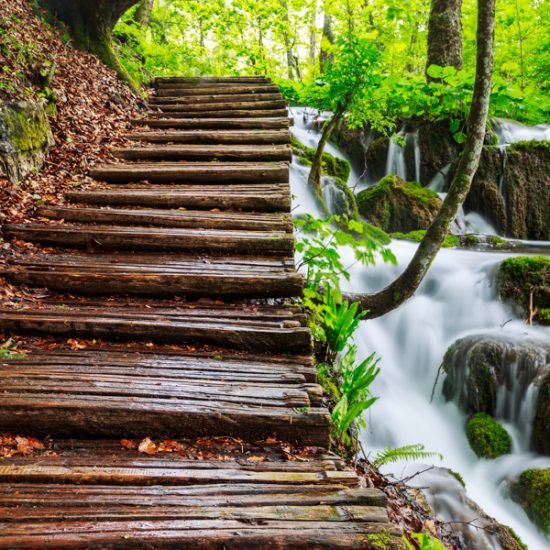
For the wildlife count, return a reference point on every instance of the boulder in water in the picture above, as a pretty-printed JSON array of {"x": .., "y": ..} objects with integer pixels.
[
  {"x": 503, "y": 377},
  {"x": 376, "y": 158},
  {"x": 398, "y": 206},
  {"x": 532, "y": 491},
  {"x": 525, "y": 278},
  {"x": 339, "y": 198},
  {"x": 487, "y": 437}
]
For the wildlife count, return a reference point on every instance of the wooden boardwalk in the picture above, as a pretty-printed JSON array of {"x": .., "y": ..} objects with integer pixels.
[{"x": 186, "y": 240}]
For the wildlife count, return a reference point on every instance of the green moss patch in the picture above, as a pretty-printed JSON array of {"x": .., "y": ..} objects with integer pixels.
[
  {"x": 398, "y": 206},
  {"x": 451, "y": 241},
  {"x": 532, "y": 491},
  {"x": 332, "y": 166},
  {"x": 533, "y": 145},
  {"x": 28, "y": 129},
  {"x": 487, "y": 437},
  {"x": 521, "y": 276}
]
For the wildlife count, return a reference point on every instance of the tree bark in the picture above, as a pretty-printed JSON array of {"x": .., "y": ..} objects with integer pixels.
[
  {"x": 143, "y": 13},
  {"x": 325, "y": 58},
  {"x": 91, "y": 23},
  {"x": 407, "y": 283},
  {"x": 445, "y": 34},
  {"x": 315, "y": 173}
]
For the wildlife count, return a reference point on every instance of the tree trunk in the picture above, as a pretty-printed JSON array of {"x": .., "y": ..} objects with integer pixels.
[
  {"x": 291, "y": 60},
  {"x": 315, "y": 173},
  {"x": 143, "y": 13},
  {"x": 445, "y": 34},
  {"x": 326, "y": 58},
  {"x": 406, "y": 284},
  {"x": 91, "y": 23}
]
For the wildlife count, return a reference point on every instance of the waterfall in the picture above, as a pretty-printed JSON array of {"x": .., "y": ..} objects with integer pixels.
[{"x": 456, "y": 299}]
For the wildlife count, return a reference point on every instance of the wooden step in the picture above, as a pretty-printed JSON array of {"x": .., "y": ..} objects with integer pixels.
[
  {"x": 195, "y": 137},
  {"x": 255, "y": 197},
  {"x": 154, "y": 238},
  {"x": 161, "y": 81},
  {"x": 192, "y": 172},
  {"x": 175, "y": 113},
  {"x": 251, "y": 221},
  {"x": 136, "y": 399},
  {"x": 214, "y": 98},
  {"x": 212, "y": 153},
  {"x": 96, "y": 494},
  {"x": 154, "y": 275},
  {"x": 252, "y": 328},
  {"x": 176, "y": 90},
  {"x": 199, "y": 108},
  {"x": 247, "y": 123}
]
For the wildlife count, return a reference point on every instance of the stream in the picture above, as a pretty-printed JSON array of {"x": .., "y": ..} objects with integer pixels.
[{"x": 456, "y": 299}]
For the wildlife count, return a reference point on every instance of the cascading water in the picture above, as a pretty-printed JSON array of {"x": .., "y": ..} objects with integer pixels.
[{"x": 455, "y": 300}]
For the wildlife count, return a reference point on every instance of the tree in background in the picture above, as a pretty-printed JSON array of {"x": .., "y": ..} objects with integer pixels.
[
  {"x": 405, "y": 285},
  {"x": 143, "y": 12}
]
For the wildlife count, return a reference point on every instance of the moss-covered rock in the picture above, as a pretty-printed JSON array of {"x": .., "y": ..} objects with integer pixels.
[
  {"x": 398, "y": 206},
  {"x": 541, "y": 422},
  {"x": 332, "y": 166},
  {"x": 451, "y": 241},
  {"x": 518, "y": 277},
  {"x": 532, "y": 491},
  {"x": 487, "y": 437},
  {"x": 438, "y": 148},
  {"x": 25, "y": 137},
  {"x": 339, "y": 198},
  {"x": 487, "y": 242}
]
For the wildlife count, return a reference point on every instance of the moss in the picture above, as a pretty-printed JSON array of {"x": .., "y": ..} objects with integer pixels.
[
  {"x": 332, "y": 166},
  {"x": 541, "y": 421},
  {"x": 533, "y": 145},
  {"x": 380, "y": 540},
  {"x": 450, "y": 241},
  {"x": 398, "y": 206},
  {"x": 532, "y": 491},
  {"x": 458, "y": 477},
  {"x": 342, "y": 200},
  {"x": 518, "y": 277},
  {"x": 509, "y": 540},
  {"x": 28, "y": 130},
  {"x": 544, "y": 316},
  {"x": 487, "y": 437}
]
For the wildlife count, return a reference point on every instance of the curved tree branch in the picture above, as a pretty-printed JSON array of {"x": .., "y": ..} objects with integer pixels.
[{"x": 407, "y": 283}]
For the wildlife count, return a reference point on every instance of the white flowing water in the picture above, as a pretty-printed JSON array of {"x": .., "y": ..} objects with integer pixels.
[{"x": 456, "y": 299}]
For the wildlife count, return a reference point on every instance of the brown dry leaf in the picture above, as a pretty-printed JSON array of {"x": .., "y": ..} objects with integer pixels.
[
  {"x": 26, "y": 445},
  {"x": 171, "y": 446},
  {"x": 148, "y": 447},
  {"x": 128, "y": 444},
  {"x": 76, "y": 345},
  {"x": 256, "y": 458}
]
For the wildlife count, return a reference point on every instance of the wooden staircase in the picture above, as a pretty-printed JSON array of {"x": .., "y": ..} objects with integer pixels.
[{"x": 186, "y": 243}]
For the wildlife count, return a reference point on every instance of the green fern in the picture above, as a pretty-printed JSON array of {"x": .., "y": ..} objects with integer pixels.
[{"x": 406, "y": 452}]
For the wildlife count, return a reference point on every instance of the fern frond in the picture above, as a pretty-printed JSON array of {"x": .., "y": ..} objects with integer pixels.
[{"x": 406, "y": 452}]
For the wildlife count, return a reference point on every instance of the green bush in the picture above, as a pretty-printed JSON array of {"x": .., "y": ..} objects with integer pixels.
[{"x": 487, "y": 437}]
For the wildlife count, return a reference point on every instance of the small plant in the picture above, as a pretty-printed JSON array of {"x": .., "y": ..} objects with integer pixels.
[
  {"x": 406, "y": 452},
  {"x": 8, "y": 350},
  {"x": 424, "y": 541}
]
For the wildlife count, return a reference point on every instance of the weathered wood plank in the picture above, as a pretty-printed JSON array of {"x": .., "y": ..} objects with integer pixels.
[
  {"x": 192, "y": 172},
  {"x": 249, "y": 197},
  {"x": 155, "y": 238},
  {"x": 160, "y": 81},
  {"x": 255, "y": 137},
  {"x": 230, "y": 105},
  {"x": 251, "y": 114},
  {"x": 212, "y": 153},
  {"x": 251, "y": 221},
  {"x": 278, "y": 123},
  {"x": 215, "y": 98}
]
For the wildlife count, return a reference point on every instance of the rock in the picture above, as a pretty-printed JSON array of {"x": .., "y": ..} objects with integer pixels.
[
  {"x": 518, "y": 277},
  {"x": 541, "y": 422},
  {"x": 339, "y": 197},
  {"x": 522, "y": 210},
  {"x": 376, "y": 158},
  {"x": 487, "y": 437},
  {"x": 25, "y": 138},
  {"x": 451, "y": 241},
  {"x": 532, "y": 491},
  {"x": 478, "y": 369},
  {"x": 398, "y": 206}
]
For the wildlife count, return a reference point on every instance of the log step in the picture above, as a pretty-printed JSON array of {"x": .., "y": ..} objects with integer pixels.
[
  {"x": 176, "y": 90},
  {"x": 97, "y": 494},
  {"x": 161, "y": 81},
  {"x": 252, "y": 328},
  {"x": 251, "y": 221},
  {"x": 247, "y": 123},
  {"x": 157, "y": 276},
  {"x": 214, "y": 98},
  {"x": 195, "y": 137},
  {"x": 199, "y": 108},
  {"x": 254, "y": 197},
  {"x": 252, "y": 114},
  {"x": 212, "y": 153},
  {"x": 154, "y": 238},
  {"x": 192, "y": 172},
  {"x": 60, "y": 395}
]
